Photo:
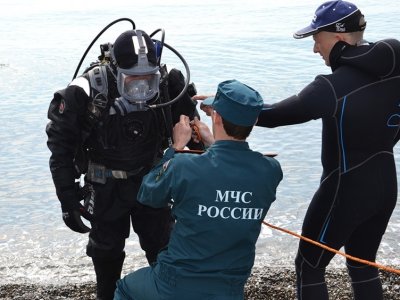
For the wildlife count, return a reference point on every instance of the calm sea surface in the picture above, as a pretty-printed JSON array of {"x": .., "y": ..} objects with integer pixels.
[{"x": 41, "y": 45}]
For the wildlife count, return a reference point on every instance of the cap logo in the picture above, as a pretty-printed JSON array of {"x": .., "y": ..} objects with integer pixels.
[
  {"x": 314, "y": 19},
  {"x": 340, "y": 27}
]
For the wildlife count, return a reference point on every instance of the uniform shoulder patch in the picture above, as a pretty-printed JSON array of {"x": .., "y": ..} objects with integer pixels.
[
  {"x": 163, "y": 169},
  {"x": 165, "y": 165}
]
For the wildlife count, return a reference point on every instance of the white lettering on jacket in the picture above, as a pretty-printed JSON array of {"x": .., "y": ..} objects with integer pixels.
[
  {"x": 237, "y": 196},
  {"x": 226, "y": 212},
  {"x": 243, "y": 213}
]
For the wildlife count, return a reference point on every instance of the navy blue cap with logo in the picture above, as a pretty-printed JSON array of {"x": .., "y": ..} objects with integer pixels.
[
  {"x": 236, "y": 102},
  {"x": 334, "y": 16}
]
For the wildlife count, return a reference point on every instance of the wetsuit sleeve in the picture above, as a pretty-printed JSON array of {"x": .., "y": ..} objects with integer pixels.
[
  {"x": 66, "y": 113},
  {"x": 317, "y": 100},
  {"x": 156, "y": 188}
]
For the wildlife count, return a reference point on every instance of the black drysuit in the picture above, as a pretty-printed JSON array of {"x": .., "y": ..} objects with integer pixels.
[{"x": 131, "y": 143}]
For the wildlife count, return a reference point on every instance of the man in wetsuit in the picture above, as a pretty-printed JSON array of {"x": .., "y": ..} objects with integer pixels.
[
  {"x": 359, "y": 104},
  {"x": 121, "y": 136},
  {"x": 219, "y": 200}
]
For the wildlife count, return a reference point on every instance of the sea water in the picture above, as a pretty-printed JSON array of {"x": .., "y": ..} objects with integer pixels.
[{"x": 42, "y": 42}]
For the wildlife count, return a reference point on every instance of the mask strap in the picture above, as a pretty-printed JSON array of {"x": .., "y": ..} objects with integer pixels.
[{"x": 142, "y": 56}]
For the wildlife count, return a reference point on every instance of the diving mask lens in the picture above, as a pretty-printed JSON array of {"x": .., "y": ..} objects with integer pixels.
[{"x": 140, "y": 87}]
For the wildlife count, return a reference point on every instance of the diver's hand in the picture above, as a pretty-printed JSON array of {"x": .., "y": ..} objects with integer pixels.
[
  {"x": 206, "y": 136},
  {"x": 73, "y": 210},
  {"x": 72, "y": 218}
]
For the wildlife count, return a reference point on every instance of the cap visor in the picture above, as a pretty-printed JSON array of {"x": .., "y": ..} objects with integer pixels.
[
  {"x": 305, "y": 32},
  {"x": 208, "y": 101}
]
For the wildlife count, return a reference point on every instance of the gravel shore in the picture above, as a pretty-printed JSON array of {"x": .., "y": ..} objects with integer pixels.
[{"x": 265, "y": 284}]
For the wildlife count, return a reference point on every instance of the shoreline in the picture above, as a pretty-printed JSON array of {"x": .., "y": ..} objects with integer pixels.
[{"x": 264, "y": 283}]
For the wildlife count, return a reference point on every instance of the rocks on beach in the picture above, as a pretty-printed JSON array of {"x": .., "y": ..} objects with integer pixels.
[{"x": 264, "y": 284}]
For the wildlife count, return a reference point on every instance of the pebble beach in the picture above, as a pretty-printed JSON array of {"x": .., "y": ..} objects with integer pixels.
[{"x": 264, "y": 284}]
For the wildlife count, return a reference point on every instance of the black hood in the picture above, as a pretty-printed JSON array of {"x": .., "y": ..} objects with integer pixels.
[{"x": 380, "y": 59}]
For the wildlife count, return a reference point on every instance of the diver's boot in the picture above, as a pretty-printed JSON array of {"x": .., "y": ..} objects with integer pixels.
[{"x": 107, "y": 273}]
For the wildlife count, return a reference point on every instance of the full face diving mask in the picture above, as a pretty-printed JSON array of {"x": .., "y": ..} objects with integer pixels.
[{"x": 140, "y": 83}]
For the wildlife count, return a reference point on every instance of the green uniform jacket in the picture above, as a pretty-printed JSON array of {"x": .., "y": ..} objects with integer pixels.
[{"x": 219, "y": 200}]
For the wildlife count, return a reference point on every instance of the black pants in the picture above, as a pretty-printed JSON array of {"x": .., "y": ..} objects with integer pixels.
[
  {"x": 115, "y": 209},
  {"x": 351, "y": 210}
]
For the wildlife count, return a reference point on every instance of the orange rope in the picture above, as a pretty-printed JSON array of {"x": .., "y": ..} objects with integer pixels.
[{"x": 367, "y": 262}]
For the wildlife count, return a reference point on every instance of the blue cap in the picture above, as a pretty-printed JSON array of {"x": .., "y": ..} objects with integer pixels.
[
  {"x": 236, "y": 102},
  {"x": 334, "y": 16}
]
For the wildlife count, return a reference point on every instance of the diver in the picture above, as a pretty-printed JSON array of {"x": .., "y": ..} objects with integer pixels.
[{"x": 111, "y": 125}]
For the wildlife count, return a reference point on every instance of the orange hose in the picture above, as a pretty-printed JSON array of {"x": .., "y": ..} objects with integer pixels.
[
  {"x": 197, "y": 132},
  {"x": 190, "y": 151},
  {"x": 363, "y": 261},
  {"x": 202, "y": 151}
]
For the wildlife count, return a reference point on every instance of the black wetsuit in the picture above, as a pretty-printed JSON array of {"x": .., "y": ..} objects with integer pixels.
[
  {"x": 131, "y": 143},
  {"x": 359, "y": 104}
]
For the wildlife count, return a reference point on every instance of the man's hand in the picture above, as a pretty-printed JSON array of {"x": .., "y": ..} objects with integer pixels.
[
  {"x": 206, "y": 136},
  {"x": 182, "y": 133}
]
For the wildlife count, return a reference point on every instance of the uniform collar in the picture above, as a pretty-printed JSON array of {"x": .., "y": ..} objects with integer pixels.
[{"x": 230, "y": 144}]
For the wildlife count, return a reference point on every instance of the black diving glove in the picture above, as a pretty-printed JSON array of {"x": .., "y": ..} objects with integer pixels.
[
  {"x": 73, "y": 210},
  {"x": 72, "y": 218}
]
